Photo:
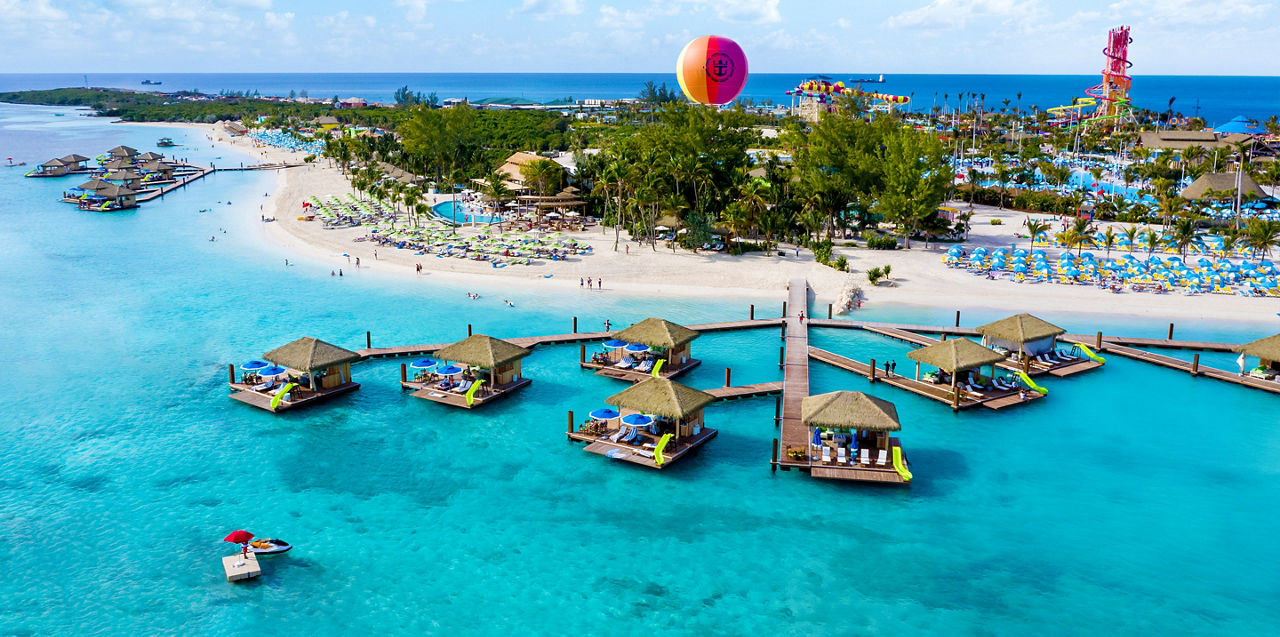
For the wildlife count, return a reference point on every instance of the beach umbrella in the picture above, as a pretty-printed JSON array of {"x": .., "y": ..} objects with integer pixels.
[
  {"x": 423, "y": 363},
  {"x": 956, "y": 251},
  {"x": 449, "y": 370},
  {"x": 636, "y": 348},
  {"x": 614, "y": 344},
  {"x": 238, "y": 537},
  {"x": 1020, "y": 252},
  {"x": 817, "y": 436},
  {"x": 603, "y": 414},
  {"x": 637, "y": 420},
  {"x": 274, "y": 370},
  {"x": 253, "y": 366},
  {"x": 1019, "y": 268}
]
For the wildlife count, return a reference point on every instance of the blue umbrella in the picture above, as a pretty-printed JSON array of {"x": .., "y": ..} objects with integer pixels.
[
  {"x": 1019, "y": 268},
  {"x": 614, "y": 344},
  {"x": 817, "y": 436},
  {"x": 637, "y": 348},
  {"x": 423, "y": 363},
  {"x": 274, "y": 370},
  {"x": 637, "y": 420},
  {"x": 603, "y": 414},
  {"x": 253, "y": 366},
  {"x": 449, "y": 370}
]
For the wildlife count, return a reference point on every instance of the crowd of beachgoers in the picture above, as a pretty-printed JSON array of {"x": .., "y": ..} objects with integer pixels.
[{"x": 286, "y": 141}]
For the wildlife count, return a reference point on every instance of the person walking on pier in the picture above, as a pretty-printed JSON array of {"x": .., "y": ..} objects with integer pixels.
[{"x": 893, "y": 368}]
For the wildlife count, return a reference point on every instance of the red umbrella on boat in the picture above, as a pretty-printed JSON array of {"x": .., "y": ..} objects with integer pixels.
[{"x": 238, "y": 537}]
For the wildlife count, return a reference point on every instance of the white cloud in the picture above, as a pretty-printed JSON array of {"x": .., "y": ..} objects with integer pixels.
[
  {"x": 1190, "y": 12},
  {"x": 956, "y": 14},
  {"x": 755, "y": 11},
  {"x": 844, "y": 23},
  {"x": 548, "y": 9},
  {"x": 30, "y": 10},
  {"x": 415, "y": 10}
]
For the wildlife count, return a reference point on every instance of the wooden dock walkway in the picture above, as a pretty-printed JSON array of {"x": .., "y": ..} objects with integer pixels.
[
  {"x": 1190, "y": 367},
  {"x": 1036, "y": 369},
  {"x": 746, "y": 391},
  {"x": 795, "y": 375},
  {"x": 1129, "y": 341},
  {"x": 180, "y": 183}
]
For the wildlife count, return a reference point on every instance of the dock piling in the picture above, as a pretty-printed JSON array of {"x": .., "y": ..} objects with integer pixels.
[
  {"x": 404, "y": 373},
  {"x": 582, "y": 353},
  {"x": 873, "y": 370},
  {"x": 575, "y": 325},
  {"x": 569, "y": 423},
  {"x": 726, "y": 377},
  {"x": 784, "y": 309},
  {"x": 782, "y": 357},
  {"x": 752, "y": 315},
  {"x": 777, "y": 411},
  {"x": 368, "y": 340},
  {"x": 468, "y": 329},
  {"x": 231, "y": 372},
  {"x": 957, "y": 318},
  {"x": 1171, "y": 331},
  {"x": 829, "y": 314},
  {"x": 783, "y": 331},
  {"x": 1097, "y": 342},
  {"x": 1195, "y": 364},
  {"x": 773, "y": 466}
]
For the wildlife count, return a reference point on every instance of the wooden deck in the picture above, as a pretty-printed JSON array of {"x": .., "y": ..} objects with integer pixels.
[
  {"x": 940, "y": 393},
  {"x": 1034, "y": 369},
  {"x": 456, "y": 399},
  {"x": 746, "y": 391},
  {"x": 633, "y": 376},
  {"x": 641, "y": 455},
  {"x": 1109, "y": 347},
  {"x": 245, "y": 394},
  {"x": 241, "y": 567},
  {"x": 852, "y": 470}
]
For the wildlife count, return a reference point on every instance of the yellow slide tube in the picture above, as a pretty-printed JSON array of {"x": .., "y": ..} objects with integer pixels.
[
  {"x": 899, "y": 465},
  {"x": 471, "y": 393},
  {"x": 1088, "y": 352},
  {"x": 1026, "y": 380},
  {"x": 657, "y": 451},
  {"x": 275, "y": 400}
]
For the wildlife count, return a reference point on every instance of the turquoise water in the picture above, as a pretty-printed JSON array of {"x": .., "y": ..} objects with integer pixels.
[
  {"x": 1134, "y": 499},
  {"x": 458, "y": 212}
]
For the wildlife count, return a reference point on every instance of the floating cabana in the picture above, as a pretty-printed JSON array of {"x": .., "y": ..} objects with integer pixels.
[
  {"x": 849, "y": 433},
  {"x": 651, "y": 348},
  {"x": 122, "y": 152},
  {"x": 148, "y": 157},
  {"x": 51, "y": 168},
  {"x": 156, "y": 172},
  {"x": 303, "y": 372},
  {"x": 116, "y": 164},
  {"x": 128, "y": 178},
  {"x": 76, "y": 163},
  {"x": 108, "y": 198},
  {"x": 1267, "y": 350},
  {"x": 960, "y": 362},
  {"x": 657, "y": 422},
  {"x": 490, "y": 370},
  {"x": 1032, "y": 344}
]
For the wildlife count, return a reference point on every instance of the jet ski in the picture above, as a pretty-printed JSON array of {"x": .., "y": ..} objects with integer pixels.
[{"x": 269, "y": 546}]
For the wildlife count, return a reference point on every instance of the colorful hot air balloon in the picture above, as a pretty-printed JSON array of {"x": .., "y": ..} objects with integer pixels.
[{"x": 711, "y": 70}]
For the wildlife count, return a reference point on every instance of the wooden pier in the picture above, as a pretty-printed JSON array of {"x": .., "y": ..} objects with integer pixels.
[
  {"x": 942, "y": 393},
  {"x": 1192, "y": 367},
  {"x": 1033, "y": 369},
  {"x": 795, "y": 380},
  {"x": 301, "y": 396},
  {"x": 746, "y": 391}
]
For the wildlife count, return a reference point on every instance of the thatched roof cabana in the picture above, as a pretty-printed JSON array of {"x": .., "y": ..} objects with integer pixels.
[
  {"x": 74, "y": 159},
  {"x": 1020, "y": 328},
  {"x": 308, "y": 354},
  {"x": 122, "y": 175},
  {"x": 662, "y": 397},
  {"x": 150, "y": 157},
  {"x": 482, "y": 351},
  {"x": 53, "y": 163},
  {"x": 956, "y": 355},
  {"x": 1267, "y": 349},
  {"x": 117, "y": 164},
  {"x": 656, "y": 332},
  {"x": 123, "y": 151},
  {"x": 849, "y": 410},
  {"x": 94, "y": 185},
  {"x": 113, "y": 191},
  {"x": 1222, "y": 182}
]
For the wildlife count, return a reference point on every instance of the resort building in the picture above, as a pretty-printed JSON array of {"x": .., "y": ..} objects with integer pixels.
[
  {"x": 303, "y": 372},
  {"x": 51, "y": 168},
  {"x": 325, "y": 122},
  {"x": 122, "y": 152},
  {"x": 1174, "y": 140},
  {"x": 128, "y": 178},
  {"x": 76, "y": 163},
  {"x": 1032, "y": 344},
  {"x": 656, "y": 422},
  {"x": 234, "y": 128},
  {"x": 488, "y": 369},
  {"x": 959, "y": 362},
  {"x": 119, "y": 163},
  {"x": 157, "y": 171},
  {"x": 653, "y": 347},
  {"x": 1267, "y": 350},
  {"x": 510, "y": 169},
  {"x": 850, "y": 438},
  {"x": 108, "y": 197}
]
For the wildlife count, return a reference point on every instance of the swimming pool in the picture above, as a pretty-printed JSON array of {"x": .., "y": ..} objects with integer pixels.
[{"x": 458, "y": 212}]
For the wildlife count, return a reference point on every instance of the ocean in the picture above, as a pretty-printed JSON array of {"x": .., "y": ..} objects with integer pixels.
[
  {"x": 1215, "y": 98},
  {"x": 1132, "y": 500}
]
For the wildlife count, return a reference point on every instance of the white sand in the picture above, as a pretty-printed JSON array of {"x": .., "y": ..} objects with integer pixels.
[{"x": 919, "y": 276}]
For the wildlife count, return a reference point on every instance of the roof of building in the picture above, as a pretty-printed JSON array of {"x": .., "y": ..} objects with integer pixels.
[
  {"x": 656, "y": 332},
  {"x": 1222, "y": 182},
  {"x": 849, "y": 410},
  {"x": 483, "y": 351},
  {"x": 1020, "y": 328},
  {"x": 662, "y": 397},
  {"x": 1266, "y": 348},
  {"x": 955, "y": 355},
  {"x": 309, "y": 354}
]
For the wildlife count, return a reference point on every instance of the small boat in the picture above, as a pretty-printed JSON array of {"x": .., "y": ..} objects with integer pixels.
[
  {"x": 166, "y": 142},
  {"x": 152, "y": 82},
  {"x": 269, "y": 546}
]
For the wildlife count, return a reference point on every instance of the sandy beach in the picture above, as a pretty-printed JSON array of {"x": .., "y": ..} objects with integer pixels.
[{"x": 919, "y": 275}]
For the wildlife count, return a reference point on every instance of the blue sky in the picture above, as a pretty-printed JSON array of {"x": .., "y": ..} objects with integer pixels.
[{"x": 905, "y": 36}]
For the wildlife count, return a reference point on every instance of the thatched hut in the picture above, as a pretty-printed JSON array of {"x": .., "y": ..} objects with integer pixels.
[
  {"x": 1268, "y": 352},
  {"x": 870, "y": 420},
  {"x": 327, "y": 366},
  {"x": 109, "y": 197},
  {"x": 499, "y": 358},
  {"x": 74, "y": 161},
  {"x": 1022, "y": 333},
  {"x": 956, "y": 356},
  {"x": 51, "y": 168},
  {"x": 1222, "y": 186},
  {"x": 670, "y": 342},
  {"x": 681, "y": 405},
  {"x": 122, "y": 152}
]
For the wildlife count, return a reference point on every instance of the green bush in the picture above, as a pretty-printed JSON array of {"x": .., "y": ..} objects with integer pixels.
[
  {"x": 874, "y": 275},
  {"x": 842, "y": 263},
  {"x": 882, "y": 243},
  {"x": 997, "y": 222},
  {"x": 822, "y": 252},
  {"x": 309, "y": 158}
]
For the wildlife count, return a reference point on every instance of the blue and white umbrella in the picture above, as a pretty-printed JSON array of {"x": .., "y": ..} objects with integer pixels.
[
  {"x": 637, "y": 420},
  {"x": 253, "y": 366},
  {"x": 614, "y": 344},
  {"x": 423, "y": 363},
  {"x": 603, "y": 414},
  {"x": 817, "y": 436},
  {"x": 274, "y": 370},
  {"x": 636, "y": 348},
  {"x": 449, "y": 370}
]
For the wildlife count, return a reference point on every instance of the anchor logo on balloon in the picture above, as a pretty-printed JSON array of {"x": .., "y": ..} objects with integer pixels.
[{"x": 719, "y": 67}]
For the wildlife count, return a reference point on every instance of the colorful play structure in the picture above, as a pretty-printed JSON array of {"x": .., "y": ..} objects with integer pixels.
[
  {"x": 1108, "y": 101},
  {"x": 820, "y": 91}
]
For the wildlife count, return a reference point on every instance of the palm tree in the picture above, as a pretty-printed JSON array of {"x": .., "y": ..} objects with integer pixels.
[
  {"x": 1172, "y": 207},
  {"x": 1183, "y": 235},
  {"x": 1083, "y": 230},
  {"x": 1261, "y": 235},
  {"x": 1109, "y": 240},
  {"x": 1150, "y": 241},
  {"x": 1003, "y": 172},
  {"x": 1131, "y": 235},
  {"x": 1036, "y": 227}
]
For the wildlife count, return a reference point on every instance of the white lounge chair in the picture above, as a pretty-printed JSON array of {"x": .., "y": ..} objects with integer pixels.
[
  {"x": 840, "y": 456},
  {"x": 617, "y": 434},
  {"x": 625, "y": 363},
  {"x": 882, "y": 458},
  {"x": 826, "y": 454},
  {"x": 645, "y": 366},
  {"x": 265, "y": 386},
  {"x": 462, "y": 389},
  {"x": 631, "y": 435},
  {"x": 864, "y": 457}
]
